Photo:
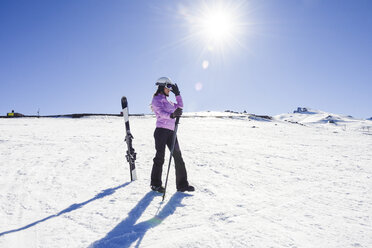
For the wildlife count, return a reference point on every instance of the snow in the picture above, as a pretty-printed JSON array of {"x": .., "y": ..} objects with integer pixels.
[
  {"x": 316, "y": 117},
  {"x": 294, "y": 181}
]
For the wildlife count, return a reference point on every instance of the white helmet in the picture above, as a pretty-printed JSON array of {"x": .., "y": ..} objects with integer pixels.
[{"x": 164, "y": 81}]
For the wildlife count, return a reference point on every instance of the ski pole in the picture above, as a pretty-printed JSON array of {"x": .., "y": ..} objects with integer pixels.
[{"x": 171, "y": 153}]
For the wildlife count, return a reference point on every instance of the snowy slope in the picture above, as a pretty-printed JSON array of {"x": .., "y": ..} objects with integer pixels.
[
  {"x": 336, "y": 121},
  {"x": 65, "y": 183}
]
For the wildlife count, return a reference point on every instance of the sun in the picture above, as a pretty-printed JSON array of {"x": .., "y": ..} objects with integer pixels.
[{"x": 217, "y": 25}]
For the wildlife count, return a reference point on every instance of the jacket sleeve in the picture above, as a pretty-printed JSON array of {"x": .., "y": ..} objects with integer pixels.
[{"x": 179, "y": 103}]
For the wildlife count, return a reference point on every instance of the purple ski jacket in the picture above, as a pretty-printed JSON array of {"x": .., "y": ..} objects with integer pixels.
[{"x": 163, "y": 109}]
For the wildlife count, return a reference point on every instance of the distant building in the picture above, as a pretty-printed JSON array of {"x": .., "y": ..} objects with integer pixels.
[{"x": 13, "y": 114}]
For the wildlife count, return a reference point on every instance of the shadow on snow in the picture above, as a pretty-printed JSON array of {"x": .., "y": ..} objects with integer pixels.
[
  {"x": 128, "y": 232},
  {"x": 71, "y": 208}
]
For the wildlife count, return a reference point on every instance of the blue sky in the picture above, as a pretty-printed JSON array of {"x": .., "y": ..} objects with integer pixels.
[{"x": 76, "y": 56}]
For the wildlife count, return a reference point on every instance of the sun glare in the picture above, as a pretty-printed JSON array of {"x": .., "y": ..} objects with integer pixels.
[{"x": 217, "y": 25}]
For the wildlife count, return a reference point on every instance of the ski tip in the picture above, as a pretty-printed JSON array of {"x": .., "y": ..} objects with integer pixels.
[{"x": 124, "y": 102}]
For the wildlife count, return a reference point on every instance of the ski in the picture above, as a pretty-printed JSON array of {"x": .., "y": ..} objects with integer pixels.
[{"x": 131, "y": 155}]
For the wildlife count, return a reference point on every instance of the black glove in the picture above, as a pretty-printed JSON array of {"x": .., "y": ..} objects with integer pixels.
[
  {"x": 175, "y": 90},
  {"x": 176, "y": 113}
]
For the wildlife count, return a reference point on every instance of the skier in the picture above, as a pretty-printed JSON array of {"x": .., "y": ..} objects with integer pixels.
[{"x": 166, "y": 112}]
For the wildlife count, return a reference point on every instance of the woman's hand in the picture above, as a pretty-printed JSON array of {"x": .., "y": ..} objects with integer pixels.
[
  {"x": 175, "y": 90},
  {"x": 176, "y": 113}
]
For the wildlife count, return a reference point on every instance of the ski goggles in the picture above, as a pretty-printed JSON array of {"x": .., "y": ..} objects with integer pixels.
[{"x": 169, "y": 86}]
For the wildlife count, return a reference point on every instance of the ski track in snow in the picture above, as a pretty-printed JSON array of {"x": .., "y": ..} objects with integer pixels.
[{"x": 65, "y": 183}]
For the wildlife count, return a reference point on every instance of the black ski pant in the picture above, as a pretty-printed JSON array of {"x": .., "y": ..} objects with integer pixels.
[{"x": 164, "y": 137}]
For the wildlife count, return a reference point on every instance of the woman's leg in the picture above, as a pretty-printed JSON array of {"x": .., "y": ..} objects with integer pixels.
[
  {"x": 181, "y": 174},
  {"x": 161, "y": 138}
]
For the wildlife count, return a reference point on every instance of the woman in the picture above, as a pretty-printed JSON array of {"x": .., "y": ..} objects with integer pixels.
[{"x": 166, "y": 112}]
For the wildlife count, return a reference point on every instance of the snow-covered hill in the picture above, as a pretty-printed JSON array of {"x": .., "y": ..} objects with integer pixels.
[
  {"x": 297, "y": 180},
  {"x": 323, "y": 119}
]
